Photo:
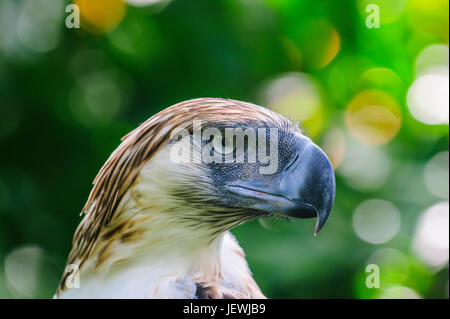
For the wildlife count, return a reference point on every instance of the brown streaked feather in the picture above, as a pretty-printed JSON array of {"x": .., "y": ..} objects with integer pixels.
[{"x": 123, "y": 166}]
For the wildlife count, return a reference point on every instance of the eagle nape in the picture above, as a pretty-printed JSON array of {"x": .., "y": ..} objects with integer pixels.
[{"x": 305, "y": 188}]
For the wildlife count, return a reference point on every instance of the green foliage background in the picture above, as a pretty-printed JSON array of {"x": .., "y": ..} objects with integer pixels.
[{"x": 52, "y": 145}]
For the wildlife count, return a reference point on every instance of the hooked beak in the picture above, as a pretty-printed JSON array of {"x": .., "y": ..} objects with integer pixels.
[{"x": 304, "y": 189}]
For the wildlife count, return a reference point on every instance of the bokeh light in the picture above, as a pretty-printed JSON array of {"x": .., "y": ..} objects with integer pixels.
[
  {"x": 390, "y": 10},
  {"x": 97, "y": 98},
  {"x": 381, "y": 78},
  {"x": 432, "y": 57},
  {"x": 333, "y": 144},
  {"x": 101, "y": 16},
  {"x": 320, "y": 45},
  {"x": 376, "y": 221},
  {"x": 436, "y": 175},
  {"x": 428, "y": 97},
  {"x": 365, "y": 168},
  {"x": 373, "y": 117},
  {"x": 22, "y": 270},
  {"x": 143, "y": 3},
  {"x": 40, "y": 29},
  {"x": 394, "y": 266},
  {"x": 26, "y": 32},
  {"x": 9, "y": 15},
  {"x": 429, "y": 18},
  {"x": 344, "y": 77},
  {"x": 431, "y": 238},
  {"x": 297, "y": 96},
  {"x": 137, "y": 38},
  {"x": 400, "y": 292}
]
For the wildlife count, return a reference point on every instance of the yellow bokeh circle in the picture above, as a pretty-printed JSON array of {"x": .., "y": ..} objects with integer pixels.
[
  {"x": 101, "y": 16},
  {"x": 373, "y": 117}
]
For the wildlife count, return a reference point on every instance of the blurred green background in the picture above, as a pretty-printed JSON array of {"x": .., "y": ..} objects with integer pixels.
[{"x": 375, "y": 99}]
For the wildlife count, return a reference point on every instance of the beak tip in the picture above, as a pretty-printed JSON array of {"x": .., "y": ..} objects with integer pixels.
[
  {"x": 316, "y": 231},
  {"x": 321, "y": 219}
]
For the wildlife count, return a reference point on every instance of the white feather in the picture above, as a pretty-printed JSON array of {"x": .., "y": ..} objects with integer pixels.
[{"x": 171, "y": 257}]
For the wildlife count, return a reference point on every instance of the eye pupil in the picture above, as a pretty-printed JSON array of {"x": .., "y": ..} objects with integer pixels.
[{"x": 222, "y": 145}]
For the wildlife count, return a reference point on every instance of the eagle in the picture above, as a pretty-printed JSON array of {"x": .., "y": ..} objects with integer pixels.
[{"x": 157, "y": 224}]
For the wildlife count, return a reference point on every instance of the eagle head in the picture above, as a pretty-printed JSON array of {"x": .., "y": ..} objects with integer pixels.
[
  {"x": 226, "y": 162},
  {"x": 192, "y": 172}
]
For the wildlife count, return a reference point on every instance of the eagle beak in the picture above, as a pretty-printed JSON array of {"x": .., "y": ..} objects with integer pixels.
[{"x": 304, "y": 189}]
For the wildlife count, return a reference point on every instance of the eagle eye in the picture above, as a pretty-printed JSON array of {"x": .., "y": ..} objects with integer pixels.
[{"x": 223, "y": 145}]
